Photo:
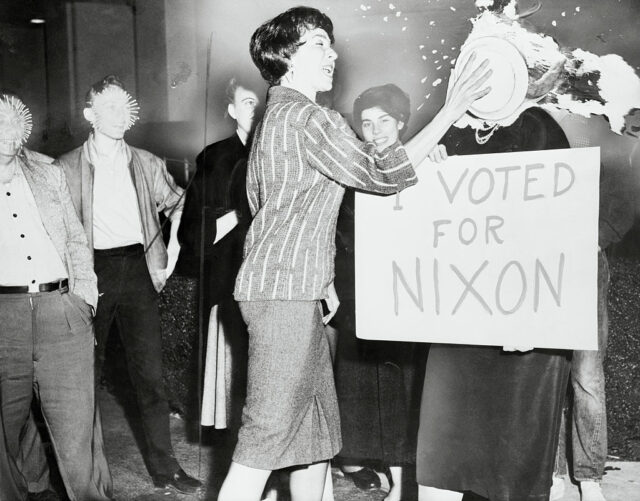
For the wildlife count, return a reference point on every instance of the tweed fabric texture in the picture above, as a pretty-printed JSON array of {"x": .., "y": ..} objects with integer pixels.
[
  {"x": 50, "y": 191},
  {"x": 291, "y": 413}
]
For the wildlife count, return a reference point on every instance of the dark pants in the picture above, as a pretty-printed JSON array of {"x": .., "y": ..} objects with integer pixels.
[
  {"x": 128, "y": 297},
  {"x": 46, "y": 349}
]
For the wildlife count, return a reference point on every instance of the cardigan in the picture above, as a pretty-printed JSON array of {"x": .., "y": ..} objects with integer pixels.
[{"x": 302, "y": 157}]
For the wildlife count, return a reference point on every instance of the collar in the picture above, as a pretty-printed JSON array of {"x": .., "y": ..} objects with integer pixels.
[
  {"x": 121, "y": 150},
  {"x": 13, "y": 167},
  {"x": 281, "y": 94}
]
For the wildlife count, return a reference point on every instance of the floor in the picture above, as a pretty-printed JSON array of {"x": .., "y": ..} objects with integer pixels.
[{"x": 209, "y": 463}]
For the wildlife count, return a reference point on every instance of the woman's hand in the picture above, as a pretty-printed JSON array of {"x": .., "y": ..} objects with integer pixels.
[
  {"x": 332, "y": 303},
  {"x": 438, "y": 153},
  {"x": 467, "y": 88}
]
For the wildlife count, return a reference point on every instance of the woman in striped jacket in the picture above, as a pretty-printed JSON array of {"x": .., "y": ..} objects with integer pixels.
[{"x": 302, "y": 157}]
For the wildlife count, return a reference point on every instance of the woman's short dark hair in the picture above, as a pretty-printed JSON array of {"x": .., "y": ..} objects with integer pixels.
[
  {"x": 389, "y": 98},
  {"x": 101, "y": 85},
  {"x": 275, "y": 41}
]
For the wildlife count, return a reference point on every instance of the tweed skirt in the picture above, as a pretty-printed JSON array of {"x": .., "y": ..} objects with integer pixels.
[{"x": 291, "y": 415}]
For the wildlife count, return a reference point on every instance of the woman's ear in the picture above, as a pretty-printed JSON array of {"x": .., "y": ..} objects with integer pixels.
[
  {"x": 231, "y": 110},
  {"x": 89, "y": 115},
  {"x": 400, "y": 125}
]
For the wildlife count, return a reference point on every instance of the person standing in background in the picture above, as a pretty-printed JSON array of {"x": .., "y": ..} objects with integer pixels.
[
  {"x": 117, "y": 191},
  {"x": 218, "y": 190},
  {"x": 378, "y": 383},
  {"x": 48, "y": 297}
]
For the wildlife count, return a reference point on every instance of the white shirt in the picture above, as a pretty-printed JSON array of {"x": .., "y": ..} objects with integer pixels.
[
  {"x": 28, "y": 254},
  {"x": 116, "y": 216}
]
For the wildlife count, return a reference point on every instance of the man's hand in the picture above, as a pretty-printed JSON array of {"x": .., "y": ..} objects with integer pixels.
[
  {"x": 332, "y": 303},
  {"x": 173, "y": 251}
]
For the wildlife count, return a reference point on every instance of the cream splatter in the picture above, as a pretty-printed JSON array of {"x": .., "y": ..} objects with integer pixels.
[
  {"x": 437, "y": 82},
  {"x": 391, "y": 6},
  {"x": 587, "y": 83}
]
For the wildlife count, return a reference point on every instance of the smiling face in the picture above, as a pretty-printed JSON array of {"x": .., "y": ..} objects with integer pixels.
[
  {"x": 380, "y": 128},
  {"x": 311, "y": 67}
]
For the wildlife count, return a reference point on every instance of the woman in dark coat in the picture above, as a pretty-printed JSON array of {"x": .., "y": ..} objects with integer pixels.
[
  {"x": 377, "y": 382},
  {"x": 489, "y": 418}
]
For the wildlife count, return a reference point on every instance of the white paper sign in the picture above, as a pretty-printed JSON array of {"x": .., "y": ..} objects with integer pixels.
[{"x": 496, "y": 249}]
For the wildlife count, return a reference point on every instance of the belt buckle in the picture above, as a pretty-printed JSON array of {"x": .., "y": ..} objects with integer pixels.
[{"x": 34, "y": 288}]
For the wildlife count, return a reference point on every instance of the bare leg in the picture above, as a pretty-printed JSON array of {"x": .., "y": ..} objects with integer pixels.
[
  {"x": 307, "y": 484},
  {"x": 395, "y": 493},
  {"x": 243, "y": 483},
  {"x": 432, "y": 494},
  {"x": 327, "y": 495}
]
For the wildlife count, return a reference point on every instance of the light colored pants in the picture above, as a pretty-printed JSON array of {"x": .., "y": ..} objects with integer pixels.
[
  {"x": 588, "y": 413},
  {"x": 46, "y": 348}
]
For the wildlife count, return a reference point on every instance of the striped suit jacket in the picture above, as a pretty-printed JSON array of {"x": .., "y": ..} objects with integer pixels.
[{"x": 302, "y": 157}]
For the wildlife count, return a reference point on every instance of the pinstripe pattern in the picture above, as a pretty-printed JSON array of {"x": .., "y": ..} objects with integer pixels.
[{"x": 302, "y": 158}]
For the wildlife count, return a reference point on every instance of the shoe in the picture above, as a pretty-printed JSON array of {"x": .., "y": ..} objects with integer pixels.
[
  {"x": 557, "y": 489},
  {"x": 47, "y": 495},
  {"x": 591, "y": 491},
  {"x": 179, "y": 481},
  {"x": 364, "y": 479}
]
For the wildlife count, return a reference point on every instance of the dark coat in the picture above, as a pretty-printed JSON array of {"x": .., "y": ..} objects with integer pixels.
[{"x": 217, "y": 188}]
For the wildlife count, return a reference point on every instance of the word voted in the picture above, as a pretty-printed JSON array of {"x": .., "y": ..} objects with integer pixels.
[
  {"x": 527, "y": 182},
  {"x": 510, "y": 286}
]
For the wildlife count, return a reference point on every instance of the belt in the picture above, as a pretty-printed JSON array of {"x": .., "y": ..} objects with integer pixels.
[
  {"x": 48, "y": 287},
  {"x": 127, "y": 250}
]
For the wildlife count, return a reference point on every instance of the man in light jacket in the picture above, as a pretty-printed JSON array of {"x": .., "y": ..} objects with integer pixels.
[
  {"x": 118, "y": 191},
  {"x": 48, "y": 297}
]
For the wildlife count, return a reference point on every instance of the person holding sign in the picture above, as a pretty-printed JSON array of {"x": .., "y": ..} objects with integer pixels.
[
  {"x": 376, "y": 382},
  {"x": 302, "y": 157},
  {"x": 490, "y": 416}
]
